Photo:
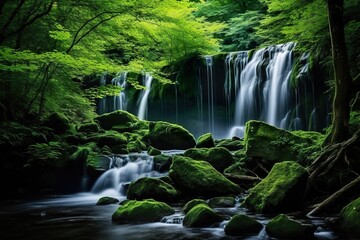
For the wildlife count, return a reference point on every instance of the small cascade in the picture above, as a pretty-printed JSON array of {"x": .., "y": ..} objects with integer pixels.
[
  {"x": 124, "y": 169},
  {"x": 143, "y": 99},
  {"x": 210, "y": 92}
]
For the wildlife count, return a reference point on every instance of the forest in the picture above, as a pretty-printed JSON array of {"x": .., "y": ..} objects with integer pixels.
[{"x": 218, "y": 119}]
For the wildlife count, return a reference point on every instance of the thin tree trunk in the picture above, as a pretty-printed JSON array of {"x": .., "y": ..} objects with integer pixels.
[{"x": 341, "y": 108}]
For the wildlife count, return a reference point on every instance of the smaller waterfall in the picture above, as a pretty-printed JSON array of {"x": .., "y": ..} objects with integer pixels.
[
  {"x": 210, "y": 92},
  {"x": 120, "y": 99},
  {"x": 142, "y": 113}
]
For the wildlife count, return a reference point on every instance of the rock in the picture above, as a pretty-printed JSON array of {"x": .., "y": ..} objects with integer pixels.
[
  {"x": 241, "y": 224},
  {"x": 167, "y": 136},
  {"x": 59, "y": 122},
  {"x": 283, "y": 227},
  {"x": 281, "y": 190},
  {"x": 107, "y": 201},
  {"x": 220, "y": 158},
  {"x": 108, "y": 138},
  {"x": 154, "y": 188},
  {"x": 189, "y": 205},
  {"x": 117, "y": 118},
  {"x": 141, "y": 212},
  {"x": 199, "y": 178},
  {"x": 136, "y": 146},
  {"x": 348, "y": 222},
  {"x": 274, "y": 144},
  {"x": 89, "y": 128},
  {"x": 222, "y": 202},
  {"x": 201, "y": 216},
  {"x": 153, "y": 151},
  {"x": 119, "y": 149},
  {"x": 231, "y": 144},
  {"x": 162, "y": 163},
  {"x": 205, "y": 141}
]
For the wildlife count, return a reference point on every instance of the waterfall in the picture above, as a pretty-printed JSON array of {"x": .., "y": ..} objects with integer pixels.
[
  {"x": 210, "y": 92},
  {"x": 142, "y": 113}
]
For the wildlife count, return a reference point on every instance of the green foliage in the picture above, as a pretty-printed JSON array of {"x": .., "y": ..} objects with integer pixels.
[{"x": 49, "y": 154}]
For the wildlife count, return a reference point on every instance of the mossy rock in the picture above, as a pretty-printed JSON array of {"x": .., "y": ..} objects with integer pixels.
[
  {"x": 199, "y": 178},
  {"x": 58, "y": 122},
  {"x": 136, "y": 146},
  {"x": 189, "y": 205},
  {"x": 117, "y": 118},
  {"x": 201, "y": 215},
  {"x": 348, "y": 222},
  {"x": 154, "y": 188},
  {"x": 222, "y": 202},
  {"x": 141, "y": 212},
  {"x": 205, "y": 141},
  {"x": 91, "y": 127},
  {"x": 274, "y": 144},
  {"x": 240, "y": 225},
  {"x": 119, "y": 149},
  {"x": 220, "y": 158},
  {"x": 107, "y": 201},
  {"x": 153, "y": 151},
  {"x": 108, "y": 138},
  {"x": 231, "y": 144},
  {"x": 162, "y": 163},
  {"x": 283, "y": 227},
  {"x": 167, "y": 136},
  {"x": 281, "y": 190}
]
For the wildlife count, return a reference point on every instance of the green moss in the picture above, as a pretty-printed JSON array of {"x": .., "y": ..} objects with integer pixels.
[
  {"x": 283, "y": 227},
  {"x": 231, "y": 145},
  {"x": 117, "y": 118},
  {"x": 153, "y": 151},
  {"x": 166, "y": 136},
  {"x": 205, "y": 141},
  {"x": 162, "y": 162},
  {"x": 241, "y": 224},
  {"x": 109, "y": 138},
  {"x": 59, "y": 122},
  {"x": 281, "y": 190},
  {"x": 200, "y": 178},
  {"x": 349, "y": 220},
  {"x": 201, "y": 216},
  {"x": 136, "y": 146},
  {"x": 189, "y": 205},
  {"x": 154, "y": 188},
  {"x": 107, "y": 201},
  {"x": 220, "y": 158},
  {"x": 141, "y": 212},
  {"x": 91, "y": 127}
]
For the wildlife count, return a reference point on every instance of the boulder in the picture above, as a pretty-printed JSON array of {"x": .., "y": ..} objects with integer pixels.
[
  {"x": 136, "y": 146},
  {"x": 348, "y": 222},
  {"x": 281, "y": 190},
  {"x": 283, "y": 227},
  {"x": 162, "y": 163},
  {"x": 153, "y": 151},
  {"x": 220, "y": 158},
  {"x": 166, "y": 136},
  {"x": 205, "y": 141},
  {"x": 117, "y": 118},
  {"x": 201, "y": 215},
  {"x": 231, "y": 144},
  {"x": 141, "y": 212},
  {"x": 274, "y": 144},
  {"x": 222, "y": 202},
  {"x": 199, "y": 178},
  {"x": 108, "y": 138},
  {"x": 241, "y": 224},
  {"x": 107, "y": 201},
  {"x": 59, "y": 122},
  {"x": 189, "y": 205},
  {"x": 154, "y": 188},
  {"x": 91, "y": 127}
]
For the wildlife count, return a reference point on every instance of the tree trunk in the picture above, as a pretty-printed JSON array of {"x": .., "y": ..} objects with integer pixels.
[{"x": 341, "y": 102}]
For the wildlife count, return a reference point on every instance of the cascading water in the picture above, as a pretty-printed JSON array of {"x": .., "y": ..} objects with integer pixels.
[
  {"x": 210, "y": 92},
  {"x": 147, "y": 79}
]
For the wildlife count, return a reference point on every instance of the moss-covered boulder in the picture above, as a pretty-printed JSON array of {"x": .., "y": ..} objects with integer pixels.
[
  {"x": 136, "y": 146},
  {"x": 281, "y": 190},
  {"x": 274, "y": 144},
  {"x": 240, "y": 225},
  {"x": 199, "y": 178},
  {"x": 107, "y": 201},
  {"x": 283, "y": 227},
  {"x": 58, "y": 122},
  {"x": 166, "y": 136},
  {"x": 154, "y": 188},
  {"x": 189, "y": 205},
  {"x": 348, "y": 222},
  {"x": 117, "y": 118},
  {"x": 201, "y": 216},
  {"x": 162, "y": 163},
  {"x": 108, "y": 138},
  {"x": 205, "y": 141},
  {"x": 141, "y": 212},
  {"x": 231, "y": 144},
  {"x": 91, "y": 127},
  {"x": 220, "y": 158},
  {"x": 220, "y": 202},
  {"x": 153, "y": 151}
]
